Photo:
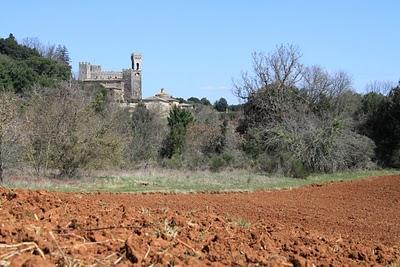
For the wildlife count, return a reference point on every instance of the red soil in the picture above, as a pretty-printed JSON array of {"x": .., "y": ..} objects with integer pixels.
[{"x": 347, "y": 223}]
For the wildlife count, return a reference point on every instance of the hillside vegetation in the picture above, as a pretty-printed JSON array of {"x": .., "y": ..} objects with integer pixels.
[
  {"x": 294, "y": 120},
  {"x": 22, "y": 67}
]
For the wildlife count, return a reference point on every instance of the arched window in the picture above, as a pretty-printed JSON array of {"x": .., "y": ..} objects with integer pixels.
[{"x": 137, "y": 66}]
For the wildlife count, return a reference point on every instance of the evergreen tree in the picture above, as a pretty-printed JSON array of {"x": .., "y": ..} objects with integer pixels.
[
  {"x": 194, "y": 100},
  {"x": 382, "y": 125},
  {"x": 205, "y": 101},
  {"x": 100, "y": 100},
  {"x": 178, "y": 121},
  {"x": 62, "y": 54},
  {"x": 221, "y": 105}
]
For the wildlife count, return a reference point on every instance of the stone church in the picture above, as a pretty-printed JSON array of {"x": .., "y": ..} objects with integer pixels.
[{"x": 125, "y": 87}]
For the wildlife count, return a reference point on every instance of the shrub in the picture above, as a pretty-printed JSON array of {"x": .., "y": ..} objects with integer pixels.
[
  {"x": 147, "y": 132},
  {"x": 228, "y": 158},
  {"x": 175, "y": 162},
  {"x": 297, "y": 169},
  {"x": 216, "y": 163},
  {"x": 202, "y": 138}
]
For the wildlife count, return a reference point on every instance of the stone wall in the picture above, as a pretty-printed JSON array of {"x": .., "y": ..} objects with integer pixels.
[
  {"x": 88, "y": 71},
  {"x": 107, "y": 75}
]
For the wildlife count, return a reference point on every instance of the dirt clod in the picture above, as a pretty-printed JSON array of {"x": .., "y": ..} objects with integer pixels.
[
  {"x": 339, "y": 224},
  {"x": 131, "y": 250}
]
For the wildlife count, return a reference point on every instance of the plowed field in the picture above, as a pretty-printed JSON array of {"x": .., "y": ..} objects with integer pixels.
[{"x": 347, "y": 223}]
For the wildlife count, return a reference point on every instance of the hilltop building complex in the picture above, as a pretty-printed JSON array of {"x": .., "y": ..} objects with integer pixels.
[{"x": 125, "y": 87}]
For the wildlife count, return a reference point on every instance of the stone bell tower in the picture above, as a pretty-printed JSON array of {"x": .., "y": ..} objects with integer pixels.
[
  {"x": 133, "y": 79},
  {"x": 136, "y": 62},
  {"x": 137, "y": 75}
]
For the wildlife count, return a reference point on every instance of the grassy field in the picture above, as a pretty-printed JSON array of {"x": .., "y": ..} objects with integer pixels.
[{"x": 161, "y": 180}]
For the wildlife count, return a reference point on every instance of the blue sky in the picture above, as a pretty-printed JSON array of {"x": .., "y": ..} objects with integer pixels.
[{"x": 196, "y": 48}]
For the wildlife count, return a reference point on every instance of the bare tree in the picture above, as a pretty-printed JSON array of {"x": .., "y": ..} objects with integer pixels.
[
  {"x": 324, "y": 91},
  {"x": 281, "y": 69},
  {"x": 316, "y": 83},
  {"x": 47, "y": 51},
  {"x": 341, "y": 83},
  {"x": 380, "y": 87},
  {"x": 34, "y": 43}
]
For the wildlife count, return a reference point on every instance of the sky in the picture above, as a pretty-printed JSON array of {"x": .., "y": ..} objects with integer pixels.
[{"x": 197, "y": 48}]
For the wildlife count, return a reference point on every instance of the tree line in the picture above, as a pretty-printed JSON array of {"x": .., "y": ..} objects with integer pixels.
[
  {"x": 300, "y": 119},
  {"x": 294, "y": 120},
  {"x": 23, "y": 66}
]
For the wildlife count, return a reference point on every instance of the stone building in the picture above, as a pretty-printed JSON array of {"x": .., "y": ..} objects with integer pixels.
[
  {"x": 162, "y": 102},
  {"x": 125, "y": 86}
]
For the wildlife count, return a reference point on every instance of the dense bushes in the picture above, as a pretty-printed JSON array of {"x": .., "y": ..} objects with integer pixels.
[
  {"x": 67, "y": 130},
  {"x": 294, "y": 120},
  {"x": 299, "y": 119},
  {"x": 379, "y": 118},
  {"x": 147, "y": 131},
  {"x": 64, "y": 133}
]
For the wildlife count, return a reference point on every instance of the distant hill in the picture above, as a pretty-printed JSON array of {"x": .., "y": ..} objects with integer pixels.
[{"x": 22, "y": 67}]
